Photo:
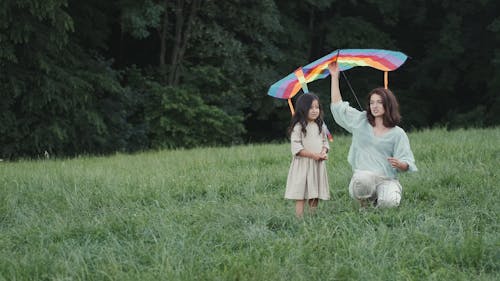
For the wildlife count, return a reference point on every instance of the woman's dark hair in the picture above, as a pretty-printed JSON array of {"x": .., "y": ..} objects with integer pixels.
[
  {"x": 302, "y": 107},
  {"x": 391, "y": 107}
]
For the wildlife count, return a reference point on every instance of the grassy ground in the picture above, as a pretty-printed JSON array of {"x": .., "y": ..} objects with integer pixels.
[{"x": 219, "y": 214}]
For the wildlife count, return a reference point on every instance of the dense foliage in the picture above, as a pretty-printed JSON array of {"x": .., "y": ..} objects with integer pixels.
[{"x": 102, "y": 76}]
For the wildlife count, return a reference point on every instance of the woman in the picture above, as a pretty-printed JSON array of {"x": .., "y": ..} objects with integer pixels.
[{"x": 379, "y": 149}]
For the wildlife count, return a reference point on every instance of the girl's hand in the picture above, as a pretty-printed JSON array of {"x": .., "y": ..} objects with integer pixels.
[
  {"x": 323, "y": 155},
  {"x": 319, "y": 156},
  {"x": 395, "y": 163},
  {"x": 316, "y": 156}
]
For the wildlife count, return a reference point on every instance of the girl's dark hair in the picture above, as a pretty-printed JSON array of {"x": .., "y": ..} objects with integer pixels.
[
  {"x": 302, "y": 107},
  {"x": 391, "y": 107}
]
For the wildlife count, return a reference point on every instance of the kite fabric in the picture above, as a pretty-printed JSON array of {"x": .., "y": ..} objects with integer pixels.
[
  {"x": 383, "y": 60},
  {"x": 289, "y": 86}
]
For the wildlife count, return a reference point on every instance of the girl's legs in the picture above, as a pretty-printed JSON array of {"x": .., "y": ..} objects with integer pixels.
[
  {"x": 313, "y": 204},
  {"x": 299, "y": 208}
]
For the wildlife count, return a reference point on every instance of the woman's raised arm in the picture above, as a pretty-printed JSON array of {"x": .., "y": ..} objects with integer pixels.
[{"x": 334, "y": 73}]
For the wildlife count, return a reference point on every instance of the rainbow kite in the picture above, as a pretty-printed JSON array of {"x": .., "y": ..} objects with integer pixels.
[
  {"x": 289, "y": 86},
  {"x": 383, "y": 60}
]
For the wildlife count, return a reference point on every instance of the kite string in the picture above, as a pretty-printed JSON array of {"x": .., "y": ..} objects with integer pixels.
[{"x": 352, "y": 91}]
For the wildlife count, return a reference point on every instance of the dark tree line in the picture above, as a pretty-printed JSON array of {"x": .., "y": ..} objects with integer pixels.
[{"x": 127, "y": 75}]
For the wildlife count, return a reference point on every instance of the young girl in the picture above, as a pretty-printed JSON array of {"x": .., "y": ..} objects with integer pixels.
[{"x": 307, "y": 177}]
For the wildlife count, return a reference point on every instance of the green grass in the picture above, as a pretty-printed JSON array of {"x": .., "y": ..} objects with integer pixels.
[{"x": 219, "y": 214}]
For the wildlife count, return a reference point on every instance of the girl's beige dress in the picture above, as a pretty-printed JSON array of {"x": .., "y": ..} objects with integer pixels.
[{"x": 307, "y": 178}]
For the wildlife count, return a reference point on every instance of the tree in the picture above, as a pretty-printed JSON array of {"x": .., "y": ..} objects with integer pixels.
[{"x": 53, "y": 89}]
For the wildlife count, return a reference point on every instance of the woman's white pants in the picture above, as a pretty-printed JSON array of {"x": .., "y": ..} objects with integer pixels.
[{"x": 366, "y": 185}]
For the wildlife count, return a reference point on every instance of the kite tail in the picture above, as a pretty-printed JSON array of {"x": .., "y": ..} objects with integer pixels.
[{"x": 328, "y": 134}]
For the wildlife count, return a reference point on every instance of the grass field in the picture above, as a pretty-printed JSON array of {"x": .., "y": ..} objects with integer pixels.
[{"x": 219, "y": 214}]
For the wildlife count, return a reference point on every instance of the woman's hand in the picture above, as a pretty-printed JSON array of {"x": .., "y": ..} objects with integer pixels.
[
  {"x": 395, "y": 163},
  {"x": 335, "y": 90},
  {"x": 334, "y": 69}
]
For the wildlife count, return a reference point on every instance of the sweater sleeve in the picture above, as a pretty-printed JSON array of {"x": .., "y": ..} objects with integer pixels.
[
  {"x": 296, "y": 139},
  {"x": 402, "y": 151},
  {"x": 325, "y": 139},
  {"x": 346, "y": 116}
]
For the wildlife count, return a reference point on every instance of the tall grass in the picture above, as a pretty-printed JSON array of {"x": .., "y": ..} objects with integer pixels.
[{"x": 219, "y": 214}]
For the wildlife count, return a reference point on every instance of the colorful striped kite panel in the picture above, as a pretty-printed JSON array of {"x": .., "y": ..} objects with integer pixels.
[{"x": 383, "y": 60}]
